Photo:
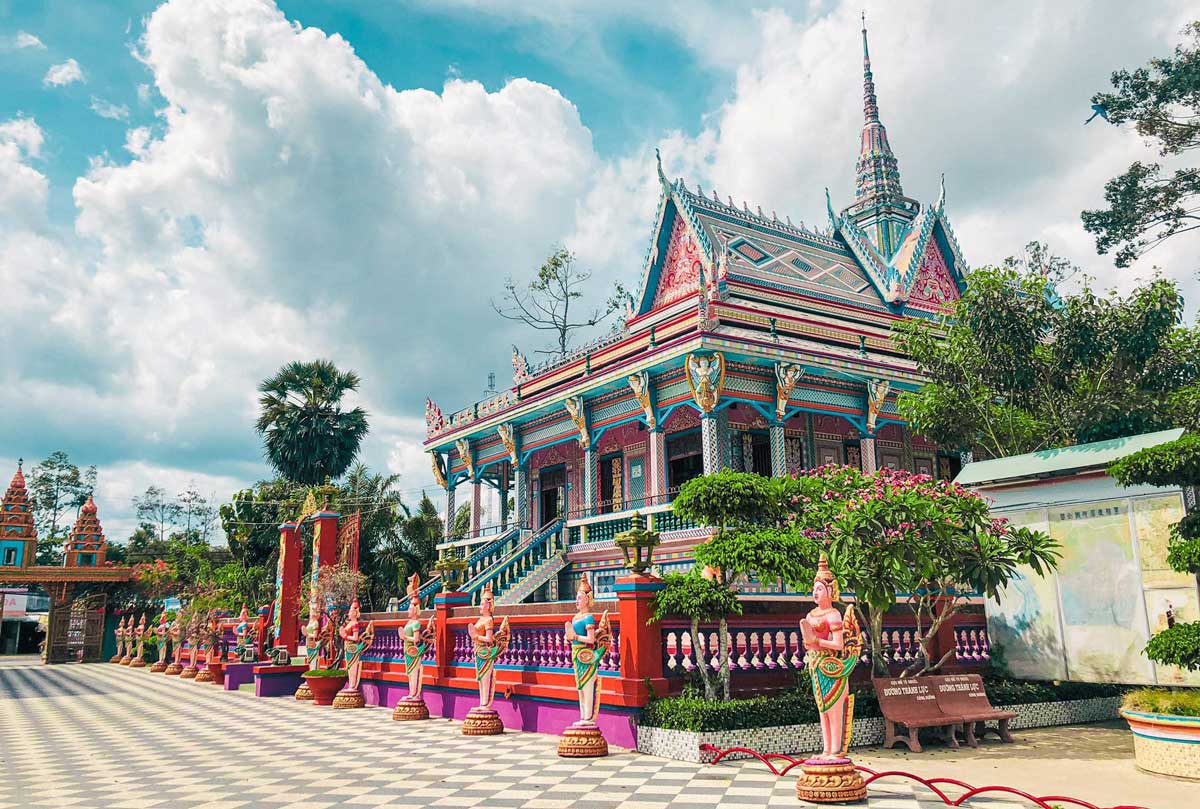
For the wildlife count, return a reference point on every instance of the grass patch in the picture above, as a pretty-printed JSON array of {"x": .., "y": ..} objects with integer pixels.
[
  {"x": 1165, "y": 701},
  {"x": 325, "y": 673}
]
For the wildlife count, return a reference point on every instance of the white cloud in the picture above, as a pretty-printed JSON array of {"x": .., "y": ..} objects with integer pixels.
[
  {"x": 24, "y": 39},
  {"x": 23, "y": 188},
  {"x": 107, "y": 109},
  {"x": 67, "y": 72}
]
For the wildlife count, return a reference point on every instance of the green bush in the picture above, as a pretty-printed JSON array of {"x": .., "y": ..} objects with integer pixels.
[
  {"x": 1159, "y": 700},
  {"x": 696, "y": 714},
  {"x": 325, "y": 673},
  {"x": 1178, "y": 645}
]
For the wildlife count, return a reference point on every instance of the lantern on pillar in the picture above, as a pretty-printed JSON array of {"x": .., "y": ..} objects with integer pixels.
[
  {"x": 637, "y": 544},
  {"x": 451, "y": 566}
]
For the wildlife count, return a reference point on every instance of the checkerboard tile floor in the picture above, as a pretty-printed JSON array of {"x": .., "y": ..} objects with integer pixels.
[{"x": 107, "y": 736}]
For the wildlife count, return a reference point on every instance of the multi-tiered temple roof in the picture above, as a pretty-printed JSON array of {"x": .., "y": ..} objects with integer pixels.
[
  {"x": 86, "y": 546},
  {"x": 17, "y": 531}
]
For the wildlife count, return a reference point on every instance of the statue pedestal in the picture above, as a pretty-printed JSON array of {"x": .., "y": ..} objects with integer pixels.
[
  {"x": 349, "y": 698},
  {"x": 304, "y": 692},
  {"x": 410, "y": 710},
  {"x": 125, "y": 661},
  {"x": 173, "y": 669},
  {"x": 830, "y": 780},
  {"x": 137, "y": 663},
  {"x": 482, "y": 722},
  {"x": 582, "y": 741},
  {"x": 115, "y": 658},
  {"x": 160, "y": 666},
  {"x": 189, "y": 673},
  {"x": 204, "y": 675}
]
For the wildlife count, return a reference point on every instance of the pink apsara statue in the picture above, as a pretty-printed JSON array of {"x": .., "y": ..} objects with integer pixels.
[
  {"x": 119, "y": 634},
  {"x": 140, "y": 633},
  {"x": 590, "y": 641},
  {"x": 490, "y": 643},
  {"x": 176, "y": 635},
  {"x": 127, "y": 635},
  {"x": 833, "y": 645},
  {"x": 312, "y": 647},
  {"x": 417, "y": 638},
  {"x": 160, "y": 634},
  {"x": 356, "y": 636}
]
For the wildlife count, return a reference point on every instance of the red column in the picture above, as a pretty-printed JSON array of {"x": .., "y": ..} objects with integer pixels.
[
  {"x": 325, "y": 534},
  {"x": 443, "y": 605},
  {"x": 641, "y": 641},
  {"x": 287, "y": 588}
]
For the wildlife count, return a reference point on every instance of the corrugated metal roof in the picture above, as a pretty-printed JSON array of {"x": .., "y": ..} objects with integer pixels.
[{"x": 1055, "y": 462}]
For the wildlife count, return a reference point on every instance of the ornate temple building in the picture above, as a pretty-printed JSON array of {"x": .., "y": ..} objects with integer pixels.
[
  {"x": 18, "y": 537},
  {"x": 751, "y": 344},
  {"x": 86, "y": 545}
]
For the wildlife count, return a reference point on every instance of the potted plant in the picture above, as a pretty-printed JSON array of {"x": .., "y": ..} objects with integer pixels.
[
  {"x": 1166, "y": 722},
  {"x": 325, "y": 684}
]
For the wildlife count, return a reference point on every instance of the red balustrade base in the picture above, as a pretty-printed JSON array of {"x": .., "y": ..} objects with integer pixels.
[{"x": 776, "y": 764}]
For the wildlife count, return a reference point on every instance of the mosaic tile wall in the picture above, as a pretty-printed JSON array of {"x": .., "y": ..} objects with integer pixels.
[{"x": 791, "y": 739}]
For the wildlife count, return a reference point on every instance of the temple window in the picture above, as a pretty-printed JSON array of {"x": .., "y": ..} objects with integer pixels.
[
  {"x": 552, "y": 493},
  {"x": 685, "y": 456},
  {"x": 10, "y": 556},
  {"x": 612, "y": 483}
]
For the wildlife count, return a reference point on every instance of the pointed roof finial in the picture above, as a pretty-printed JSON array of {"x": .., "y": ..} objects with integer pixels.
[
  {"x": 941, "y": 202},
  {"x": 870, "y": 105},
  {"x": 829, "y": 209}
]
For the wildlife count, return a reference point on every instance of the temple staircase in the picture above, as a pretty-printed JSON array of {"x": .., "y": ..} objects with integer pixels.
[
  {"x": 479, "y": 560},
  {"x": 520, "y": 572}
]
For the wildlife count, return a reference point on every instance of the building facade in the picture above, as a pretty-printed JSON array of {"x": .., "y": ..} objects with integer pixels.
[{"x": 752, "y": 343}]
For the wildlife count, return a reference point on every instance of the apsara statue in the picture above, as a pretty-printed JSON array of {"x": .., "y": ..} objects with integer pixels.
[
  {"x": 213, "y": 645},
  {"x": 119, "y": 634},
  {"x": 127, "y": 645},
  {"x": 160, "y": 635},
  {"x": 195, "y": 626},
  {"x": 243, "y": 630},
  {"x": 356, "y": 637},
  {"x": 589, "y": 643},
  {"x": 417, "y": 638},
  {"x": 833, "y": 644},
  {"x": 140, "y": 633},
  {"x": 490, "y": 643},
  {"x": 176, "y": 635},
  {"x": 312, "y": 646}
]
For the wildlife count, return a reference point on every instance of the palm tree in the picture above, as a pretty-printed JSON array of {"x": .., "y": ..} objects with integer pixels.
[{"x": 307, "y": 436}]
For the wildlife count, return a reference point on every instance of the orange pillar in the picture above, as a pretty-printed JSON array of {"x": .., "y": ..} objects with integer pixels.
[
  {"x": 287, "y": 588},
  {"x": 443, "y": 605},
  {"x": 641, "y": 641},
  {"x": 325, "y": 534}
]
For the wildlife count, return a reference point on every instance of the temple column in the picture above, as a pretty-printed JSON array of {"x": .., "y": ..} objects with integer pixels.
[
  {"x": 710, "y": 439},
  {"x": 778, "y": 451},
  {"x": 521, "y": 500},
  {"x": 866, "y": 446},
  {"x": 449, "y": 526},
  {"x": 658, "y": 466},
  {"x": 287, "y": 600},
  {"x": 591, "y": 480},
  {"x": 504, "y": 485},
  {"x": 476, "y": 506}
]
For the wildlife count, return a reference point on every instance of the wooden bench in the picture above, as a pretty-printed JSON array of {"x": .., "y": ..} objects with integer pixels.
[
  {"x": 963, "y": 694},
  {"x": 911, "y": 702}
]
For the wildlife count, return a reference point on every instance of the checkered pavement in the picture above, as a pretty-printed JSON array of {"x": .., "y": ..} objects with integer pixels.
[{"x": 107, "y": 736}]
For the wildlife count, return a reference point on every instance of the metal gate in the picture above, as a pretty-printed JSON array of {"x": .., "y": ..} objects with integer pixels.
[{"x": 76, "y": 630}]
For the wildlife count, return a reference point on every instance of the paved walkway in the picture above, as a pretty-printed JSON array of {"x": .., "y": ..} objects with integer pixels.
[{"x": 108, "y": 736}]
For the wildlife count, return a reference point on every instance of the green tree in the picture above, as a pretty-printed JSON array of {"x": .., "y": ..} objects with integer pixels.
[
  {"x": 57, "y": 489},
  {"x": 1018, "y": 367},
  {"x": 309, "y": 438},
  {"x": 1147, "y": 203},
  {"x": 196, "y": 514},
  {"x": 1174, "y": 464},
  {"x": 159, "y": 512},
  {"x": 699, "y": 599},
  {"x": 545, "y": 303}
]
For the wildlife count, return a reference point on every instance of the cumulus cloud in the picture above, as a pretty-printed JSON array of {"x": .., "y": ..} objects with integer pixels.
[
  {"x": 107, "y": 109},
  {"x": 64, "y": 73},
  {"x": 23, "y": 188},
  {"x": 24, "y": 39}
]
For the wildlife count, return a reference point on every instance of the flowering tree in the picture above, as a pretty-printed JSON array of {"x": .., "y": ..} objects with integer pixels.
[
  {"x": 155, "y": 580},
  {"x": 895, "y": 534}
]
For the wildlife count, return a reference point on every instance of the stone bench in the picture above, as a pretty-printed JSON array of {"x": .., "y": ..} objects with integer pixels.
[
  {"x": 964, "y": 695},
  {"x": 912, "y": 703}
]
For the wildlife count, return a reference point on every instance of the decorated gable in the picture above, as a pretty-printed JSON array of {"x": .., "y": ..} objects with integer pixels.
[
  {"x": 933, "y": 287},
  {"x": 680, "y": 275}
]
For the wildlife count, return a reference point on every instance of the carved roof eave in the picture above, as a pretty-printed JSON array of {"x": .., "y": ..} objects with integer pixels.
[
  {"x": 838, "y": 362},
  {"x": 877, "y": 271},
  {"x": 673, "y": 192},
  {"x": 652, "y": 248}
]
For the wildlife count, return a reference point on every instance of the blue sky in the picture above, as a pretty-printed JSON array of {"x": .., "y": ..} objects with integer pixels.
[{"x": 194, "y": 192}]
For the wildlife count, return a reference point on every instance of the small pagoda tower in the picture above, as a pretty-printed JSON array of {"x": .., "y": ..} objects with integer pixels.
[
  {"x": 86, "y": 546},
  {"x": 18, "y": 537}
]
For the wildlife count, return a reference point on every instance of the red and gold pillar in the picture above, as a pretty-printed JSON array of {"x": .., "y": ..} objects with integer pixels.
[{"x": 287, "y": 588}]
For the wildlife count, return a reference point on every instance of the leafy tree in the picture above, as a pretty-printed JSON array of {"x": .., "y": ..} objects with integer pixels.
[
  {"x": 1018, "y": 367},
  {"x": 697, "y": 598},
  {"x": 196, "y": 514},
  {"x": 1175, "y": 463},
  {"x": 1148, "y": 204},
  {"x": 157, "y": 511},
  {"x": 58, "y": 489},
  {"x": 307, "y": 435},
  {"x": 1037, "y": 259},
  {"x": 545, "y": 303},
  {"x": 896, "y": 532}
]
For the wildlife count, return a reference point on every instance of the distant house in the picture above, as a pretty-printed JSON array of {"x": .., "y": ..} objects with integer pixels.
[{"x": 1113, "y": 588}]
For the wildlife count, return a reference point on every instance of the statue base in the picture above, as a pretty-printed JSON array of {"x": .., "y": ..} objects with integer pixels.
[
  {"x": 830, "y": 780},
  {"x": 115, "y": 659},
  {"x": 304, "y": 692},
  {"x": 349, "y": 698},
  {"x": 159, "y": 667},
  {"x": 137, "y": 663},
  {"x": 125, "y": 661},
  {"x": 189, "y": 673},
  {"x": 582, "y": 741},
  {"x": 410, "y": 710},
  {"x": 173, "y": 669},
  {"x": 482, "y": 722},
  {"x": 204, "y": 675}
]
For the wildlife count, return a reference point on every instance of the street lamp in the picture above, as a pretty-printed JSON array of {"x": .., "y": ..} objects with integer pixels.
[{"x": 637, "y": 544}]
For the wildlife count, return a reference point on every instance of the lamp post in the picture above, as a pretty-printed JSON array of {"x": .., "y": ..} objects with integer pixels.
[
  {"x": 637, "y": 544},
  {"x": 451, "y": 566}
]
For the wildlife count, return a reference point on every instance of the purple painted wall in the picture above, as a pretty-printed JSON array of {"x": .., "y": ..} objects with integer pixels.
[
  {"x": 280, "y": 683},
  {"x": 238, "y": 674}
]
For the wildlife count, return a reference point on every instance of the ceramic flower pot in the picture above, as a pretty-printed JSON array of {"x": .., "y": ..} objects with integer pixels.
[
  {"x": 324, "y": 689},
  {"x": 1165, "y": 743}
]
